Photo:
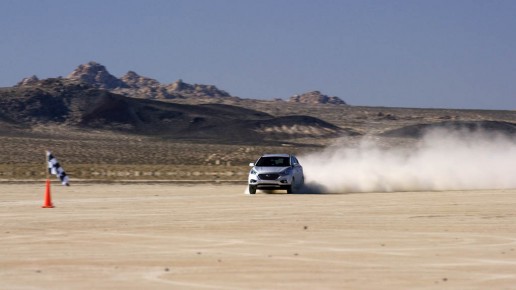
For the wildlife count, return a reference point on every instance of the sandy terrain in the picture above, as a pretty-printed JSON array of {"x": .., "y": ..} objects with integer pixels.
[{"x": 167, "y": 236}]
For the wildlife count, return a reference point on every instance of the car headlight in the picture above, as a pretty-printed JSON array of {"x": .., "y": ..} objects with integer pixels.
[
  {"x": 287, "y": 171},
  {"x": 253, "y": 172}
]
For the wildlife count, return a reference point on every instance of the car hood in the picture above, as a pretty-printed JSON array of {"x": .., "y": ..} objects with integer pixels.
[{"x": 269, "y": 169}]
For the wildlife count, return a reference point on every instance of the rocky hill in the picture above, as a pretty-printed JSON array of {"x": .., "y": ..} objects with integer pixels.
[
  {"x": 73, "y": 102},
  {"x": 316, "y": 97},
  {"x": 96, "y": 75}
]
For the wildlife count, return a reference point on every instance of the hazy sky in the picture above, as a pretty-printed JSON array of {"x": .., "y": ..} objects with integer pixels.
[{"x": 441, "y": 54}]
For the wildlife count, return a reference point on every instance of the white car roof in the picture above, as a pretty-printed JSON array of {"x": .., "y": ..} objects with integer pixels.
[{"x": 276, "y": 155}]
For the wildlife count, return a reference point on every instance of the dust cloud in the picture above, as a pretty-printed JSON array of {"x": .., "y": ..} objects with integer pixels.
[{"x": 441, "y": 160}]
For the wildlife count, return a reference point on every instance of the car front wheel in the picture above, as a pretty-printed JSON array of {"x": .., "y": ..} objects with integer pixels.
[
  {"x": 290, "y": 188},
  {"x": 252, "y": 189}
]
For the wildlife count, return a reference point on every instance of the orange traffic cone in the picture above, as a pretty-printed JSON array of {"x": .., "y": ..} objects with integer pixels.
[{"x": 48, "y": 199}]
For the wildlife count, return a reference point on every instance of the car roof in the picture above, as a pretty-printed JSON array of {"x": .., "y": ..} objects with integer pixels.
[{"x": 276, "y": 155}]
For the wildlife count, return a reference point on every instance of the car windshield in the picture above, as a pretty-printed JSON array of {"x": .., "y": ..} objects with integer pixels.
[{"x": 274, "y": 161}]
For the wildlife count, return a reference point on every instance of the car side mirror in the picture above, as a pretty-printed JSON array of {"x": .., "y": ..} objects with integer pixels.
[{"x": 251, "y": 164}]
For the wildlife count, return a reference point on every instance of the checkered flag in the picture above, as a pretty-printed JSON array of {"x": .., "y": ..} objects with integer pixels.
[{"x": 55, "y": 168}]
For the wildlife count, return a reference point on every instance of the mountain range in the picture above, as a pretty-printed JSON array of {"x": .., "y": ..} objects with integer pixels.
[{"x": 134, "y": 85}]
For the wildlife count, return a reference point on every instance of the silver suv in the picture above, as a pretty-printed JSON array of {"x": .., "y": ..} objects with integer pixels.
[{"x": 276, "y": 171}]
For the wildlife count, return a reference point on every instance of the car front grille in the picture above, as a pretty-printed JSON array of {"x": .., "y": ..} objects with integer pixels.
[{"x": 268, "y": 176}]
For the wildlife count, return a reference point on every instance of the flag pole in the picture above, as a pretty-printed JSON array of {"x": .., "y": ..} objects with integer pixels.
[{"x": 46, "y": 165}]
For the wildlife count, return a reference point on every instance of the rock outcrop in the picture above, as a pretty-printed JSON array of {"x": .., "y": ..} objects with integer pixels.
[
  {"x": 134, "y": 80},
  {"x": 316, "y": 97},
  {"x": 134, "y": 85},
  {"x": 138, "y": 86},
  {"x": 28, "y": 81},
  {"x": 96, "y": 75},
  {"x": 196, "y": 90}
]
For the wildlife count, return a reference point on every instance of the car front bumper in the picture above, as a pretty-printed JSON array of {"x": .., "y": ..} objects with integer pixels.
[{"x": 279, "y": 182}]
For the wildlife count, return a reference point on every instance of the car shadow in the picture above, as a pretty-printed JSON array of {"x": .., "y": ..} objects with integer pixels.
[
  {"x": 302, "y": 190},
  {"x": 307, "y": 188}
]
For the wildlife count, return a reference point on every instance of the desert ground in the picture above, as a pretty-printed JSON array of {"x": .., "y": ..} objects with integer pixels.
[{"x": 205, "y": 236}]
